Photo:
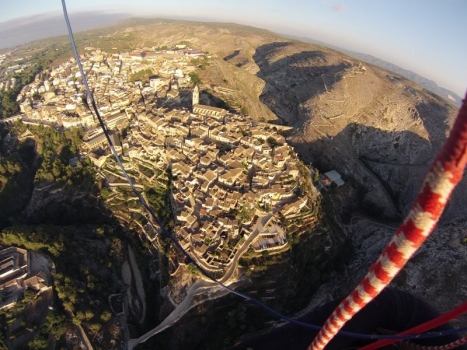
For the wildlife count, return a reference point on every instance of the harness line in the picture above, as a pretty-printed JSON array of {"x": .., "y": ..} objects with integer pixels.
[{"x": 449, "y": 346}]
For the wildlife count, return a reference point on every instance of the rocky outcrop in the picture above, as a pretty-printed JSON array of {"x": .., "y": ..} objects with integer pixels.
[
  {"x": 435, "y": 273},
  {"x": 62, "y": 204}
]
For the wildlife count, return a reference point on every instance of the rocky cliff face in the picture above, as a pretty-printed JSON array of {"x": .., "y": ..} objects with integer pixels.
[
  {"x": 434, "y": 274},
  {"x": 62, "y": 205}
]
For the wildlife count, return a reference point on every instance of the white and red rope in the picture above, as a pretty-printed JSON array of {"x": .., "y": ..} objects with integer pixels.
[{"x": 444, "y": 174}]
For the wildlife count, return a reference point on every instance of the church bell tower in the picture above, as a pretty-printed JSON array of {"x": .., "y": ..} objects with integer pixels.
[{"x": 195, "y": 98}]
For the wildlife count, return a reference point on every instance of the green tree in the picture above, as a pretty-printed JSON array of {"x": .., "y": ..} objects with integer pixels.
[
  {"x": 192, "y": 269},
  {"x": 106, "y": 316},
  {"x": 57, "y": 168},
  {"x": 245, "y": 214},
  {"x": 8, "y": 106},
  {"x": 142, "y": 75},
  {"x": 38, "y": 343},
  {"x": 36, "y": 96},
  {"x": 88, "y": 314},
  {"x": 95, "y": 327},
  {"x": 105, "y": 193},
  {"x": 272, "y": 142},
  {"x": 195, "y": 79}
]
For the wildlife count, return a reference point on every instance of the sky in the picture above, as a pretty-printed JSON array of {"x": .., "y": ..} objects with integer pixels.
[{"x": 425, "y": 36}]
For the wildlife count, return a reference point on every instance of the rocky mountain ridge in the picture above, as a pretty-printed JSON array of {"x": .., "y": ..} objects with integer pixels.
[{"x": 369, "y": 59}]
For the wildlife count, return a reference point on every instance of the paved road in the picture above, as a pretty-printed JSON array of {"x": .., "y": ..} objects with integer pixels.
[
  {"x": 201, "y": 287},
  {"x": 197, "y": 288},
  {"x": 258, "y": 228}
]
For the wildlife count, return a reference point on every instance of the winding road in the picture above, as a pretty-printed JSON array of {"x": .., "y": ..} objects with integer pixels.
[{"x": 201, "y": 287}]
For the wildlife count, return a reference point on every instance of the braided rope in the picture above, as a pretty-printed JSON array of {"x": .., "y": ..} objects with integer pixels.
[
  {"x": 444, "y": 174},
  {"x": 449, "y": 346},
  {"x": 421, "y": 328}
]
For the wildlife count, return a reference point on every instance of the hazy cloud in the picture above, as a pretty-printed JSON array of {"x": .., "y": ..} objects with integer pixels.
[
  {"x": 335, "y": 7},
  {"x": 339, "y": 7},
  {"x": 22, "y": 30}
]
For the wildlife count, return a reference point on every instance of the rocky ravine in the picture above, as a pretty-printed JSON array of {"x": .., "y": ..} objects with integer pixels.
[{"x": 381, "y": 132}]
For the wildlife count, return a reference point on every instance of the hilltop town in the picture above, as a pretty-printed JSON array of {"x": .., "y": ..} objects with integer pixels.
[
  {"x": 233, "y": 182},
  {"x": 228, "y": 186}
]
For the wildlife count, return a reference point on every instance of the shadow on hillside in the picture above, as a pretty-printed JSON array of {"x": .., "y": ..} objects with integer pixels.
[
  {"x": 232, "y": 55},
  {"x": 69, "y": 197},
  {"x": 435, "y": 119},
  {"x": 293, "y": 80},
  {"x": 208, "y": 98},
  {"x": 381, "y": 166},
  {"x": 16, "y": 181},
  {"x": 67, "y": 209}
]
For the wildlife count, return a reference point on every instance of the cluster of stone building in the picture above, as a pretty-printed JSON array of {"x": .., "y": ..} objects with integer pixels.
[
  {"x": 63, "y": 100},
  {"x": 3, "y": 56},
  {"x": 221, "y": 163},
  {"x": 16, "y": 276},
  {"x": 7, "y": 83}
]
